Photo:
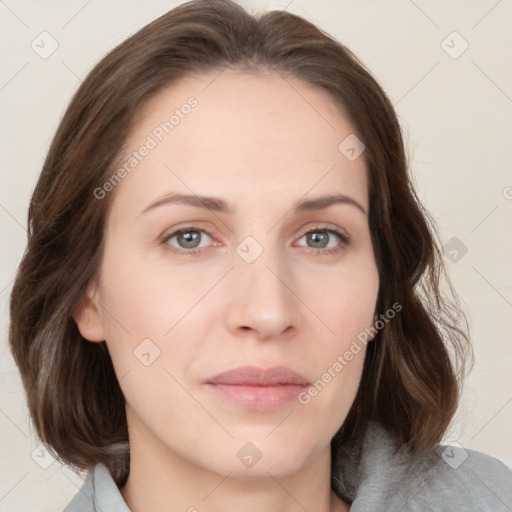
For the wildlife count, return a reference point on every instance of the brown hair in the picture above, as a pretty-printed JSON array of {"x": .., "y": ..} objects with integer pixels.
[{"x": 414, "y": 367}]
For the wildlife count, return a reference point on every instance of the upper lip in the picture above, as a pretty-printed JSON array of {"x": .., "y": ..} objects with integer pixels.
[{"x": 254, "y": 376}]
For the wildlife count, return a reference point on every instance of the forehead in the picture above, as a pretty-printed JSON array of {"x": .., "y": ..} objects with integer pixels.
[{"x": 257, "y": 134}]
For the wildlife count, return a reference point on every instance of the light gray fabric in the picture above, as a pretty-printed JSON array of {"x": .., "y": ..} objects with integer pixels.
[
  {"x": 449, "y": 478},
  {"x": 98, "y": 493}
]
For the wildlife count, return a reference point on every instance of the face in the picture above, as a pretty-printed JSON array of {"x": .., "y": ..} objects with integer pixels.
[{"x": 189, "y": 289}]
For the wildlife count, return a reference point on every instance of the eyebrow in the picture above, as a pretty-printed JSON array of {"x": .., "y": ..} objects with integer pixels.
[{"x": 220, "y": 205}]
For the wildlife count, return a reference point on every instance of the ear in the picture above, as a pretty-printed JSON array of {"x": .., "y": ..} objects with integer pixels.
[{"x": 87, "y": 316}]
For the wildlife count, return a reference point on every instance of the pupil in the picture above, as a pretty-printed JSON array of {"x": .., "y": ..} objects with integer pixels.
[
  {"x": 318, "y": 237},
  {"x": 190, "y": 237}
]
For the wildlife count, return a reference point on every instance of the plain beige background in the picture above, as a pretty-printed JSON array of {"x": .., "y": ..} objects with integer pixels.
[{"x": 453, "y": 94}]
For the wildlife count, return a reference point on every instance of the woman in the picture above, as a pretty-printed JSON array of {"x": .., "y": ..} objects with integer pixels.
[{"x": 230, "y": 295}]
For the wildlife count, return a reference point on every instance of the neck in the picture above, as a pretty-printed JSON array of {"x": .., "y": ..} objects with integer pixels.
[{"x": 161, "y": 480}]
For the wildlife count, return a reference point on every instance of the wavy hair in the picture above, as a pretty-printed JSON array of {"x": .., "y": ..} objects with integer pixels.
[{"x": 413, "y": 369}]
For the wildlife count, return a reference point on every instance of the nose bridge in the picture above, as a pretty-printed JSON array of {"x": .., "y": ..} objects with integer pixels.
[{"x": 263, "y": 300}]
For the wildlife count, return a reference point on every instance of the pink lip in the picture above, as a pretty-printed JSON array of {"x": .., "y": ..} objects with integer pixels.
[{"x": 258, "y": 388}]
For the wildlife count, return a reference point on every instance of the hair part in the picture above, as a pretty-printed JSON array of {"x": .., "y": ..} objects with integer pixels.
[{"x": 414, "y": 367}]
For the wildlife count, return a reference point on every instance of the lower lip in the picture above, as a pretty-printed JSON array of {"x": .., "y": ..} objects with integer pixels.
[{"x": 259, "y": 398}]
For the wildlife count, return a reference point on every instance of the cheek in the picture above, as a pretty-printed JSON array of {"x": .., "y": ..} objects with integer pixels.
[
  {"x": 346, "y": 307},
  {"x": 328, "y": 400},
  {"x": 145, "y": 301},
  {"x": 147, "y": 315},
  {"x": 345, "y": 303}
]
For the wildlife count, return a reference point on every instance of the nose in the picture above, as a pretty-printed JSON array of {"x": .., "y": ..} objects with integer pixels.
[{"x": 263, "y": 302}]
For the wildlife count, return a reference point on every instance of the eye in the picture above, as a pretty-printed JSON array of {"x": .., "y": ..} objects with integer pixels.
[
  {"x": 188, "y": 240},
  {"x": 322, "y": 240},
  {"x": 321, "y": 236}
]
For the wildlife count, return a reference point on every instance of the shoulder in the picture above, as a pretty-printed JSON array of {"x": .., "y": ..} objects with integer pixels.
[
  {"x": 456, "y": 478},
  {"x": 448, "y": 477},
  {"x": 98, "y": 493}
]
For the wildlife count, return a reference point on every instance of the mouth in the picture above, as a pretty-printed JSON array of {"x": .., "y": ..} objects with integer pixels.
[{"x": 258, "y": 389}]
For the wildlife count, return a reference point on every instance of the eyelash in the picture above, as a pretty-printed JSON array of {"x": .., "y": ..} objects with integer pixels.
[{"x": 194, "y": 252}]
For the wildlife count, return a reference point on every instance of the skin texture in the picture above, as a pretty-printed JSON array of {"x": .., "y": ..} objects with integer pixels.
[{"x": 262, "y": 143}]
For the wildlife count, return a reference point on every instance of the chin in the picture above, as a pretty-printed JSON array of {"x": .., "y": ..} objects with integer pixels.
[
  {"x": 249, "y": 460},
  {"x": 276, "y": 467}
]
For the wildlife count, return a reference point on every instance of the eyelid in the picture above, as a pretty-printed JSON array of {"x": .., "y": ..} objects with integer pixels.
[
  {"x": 321, "y": 226},
  {"x": 189, "y": 226}
]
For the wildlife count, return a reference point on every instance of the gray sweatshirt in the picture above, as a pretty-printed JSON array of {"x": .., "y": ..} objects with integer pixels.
[{"x": 449, "y": 478}]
